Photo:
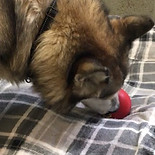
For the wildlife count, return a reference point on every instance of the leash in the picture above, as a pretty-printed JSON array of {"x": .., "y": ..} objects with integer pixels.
[{"x": 49, "y": 18}]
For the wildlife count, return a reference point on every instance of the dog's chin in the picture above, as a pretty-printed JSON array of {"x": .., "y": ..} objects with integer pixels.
[{"x": 102, "y": 106}]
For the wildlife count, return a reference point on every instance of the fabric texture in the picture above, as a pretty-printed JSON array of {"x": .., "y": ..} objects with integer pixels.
[{"x": 28, "y": 127}]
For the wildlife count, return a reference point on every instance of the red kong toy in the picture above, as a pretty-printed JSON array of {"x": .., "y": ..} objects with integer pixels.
[
  {"x": 125, "y": 105},
  {"x": 98, "y": 105}
]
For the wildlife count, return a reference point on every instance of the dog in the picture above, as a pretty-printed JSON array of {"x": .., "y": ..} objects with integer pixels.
[{"x": 70, "y": 49}]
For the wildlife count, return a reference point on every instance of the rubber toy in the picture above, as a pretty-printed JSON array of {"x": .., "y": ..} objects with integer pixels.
[{"x": 125, "y": 105}]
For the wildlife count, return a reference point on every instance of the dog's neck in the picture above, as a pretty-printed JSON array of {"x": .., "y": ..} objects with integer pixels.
[{"x": 49, "y": 18}]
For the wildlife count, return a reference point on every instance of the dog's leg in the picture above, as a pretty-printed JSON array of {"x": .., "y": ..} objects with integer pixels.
[{"x": 7, "y": 27}]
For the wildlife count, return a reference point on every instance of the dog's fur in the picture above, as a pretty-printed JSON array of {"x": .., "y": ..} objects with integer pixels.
[{"x": 82, "y": 55}]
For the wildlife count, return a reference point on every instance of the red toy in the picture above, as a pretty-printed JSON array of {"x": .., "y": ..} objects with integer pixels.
[{"x": 125, "y": 105}]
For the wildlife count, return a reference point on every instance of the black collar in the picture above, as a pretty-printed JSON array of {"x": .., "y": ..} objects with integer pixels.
[{"x": 50, "y": 14}]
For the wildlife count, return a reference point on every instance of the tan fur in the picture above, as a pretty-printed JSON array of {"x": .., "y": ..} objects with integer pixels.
[{"x": 82, "y": 27}]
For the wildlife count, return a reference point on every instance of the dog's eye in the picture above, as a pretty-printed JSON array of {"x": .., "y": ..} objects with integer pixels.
[
  {"x": 102, "y": 95},
  {"x": 107, "y": 80},
  {"x": 106, "y": 71}
]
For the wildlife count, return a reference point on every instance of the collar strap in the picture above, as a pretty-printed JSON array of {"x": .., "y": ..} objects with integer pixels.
[
  {"x": 50, "y": 14},
  {"x": 49, "y": 18}
]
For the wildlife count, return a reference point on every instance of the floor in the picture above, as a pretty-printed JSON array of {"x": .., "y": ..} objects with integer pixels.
[{"x": 131, "y": 7}]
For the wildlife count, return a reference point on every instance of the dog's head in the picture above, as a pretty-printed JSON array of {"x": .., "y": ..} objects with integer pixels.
[
  {"x": 102, "y": 75},
  {"x": 94, "y": 48}
]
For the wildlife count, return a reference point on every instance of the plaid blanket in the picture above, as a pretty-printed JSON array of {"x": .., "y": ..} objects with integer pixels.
[{"x": 27, "y": 127}]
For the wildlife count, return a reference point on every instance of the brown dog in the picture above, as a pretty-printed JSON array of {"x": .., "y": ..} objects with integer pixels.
[{"x": 82, "y": 54}]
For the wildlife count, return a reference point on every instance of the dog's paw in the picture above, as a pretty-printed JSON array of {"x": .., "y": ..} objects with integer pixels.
[
  {"x": 114, "y": 103},
  {"x": 102, "y": 106}
]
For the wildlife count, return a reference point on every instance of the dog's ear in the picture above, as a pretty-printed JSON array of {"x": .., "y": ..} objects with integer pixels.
[{"x": 132, "y": 27}]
